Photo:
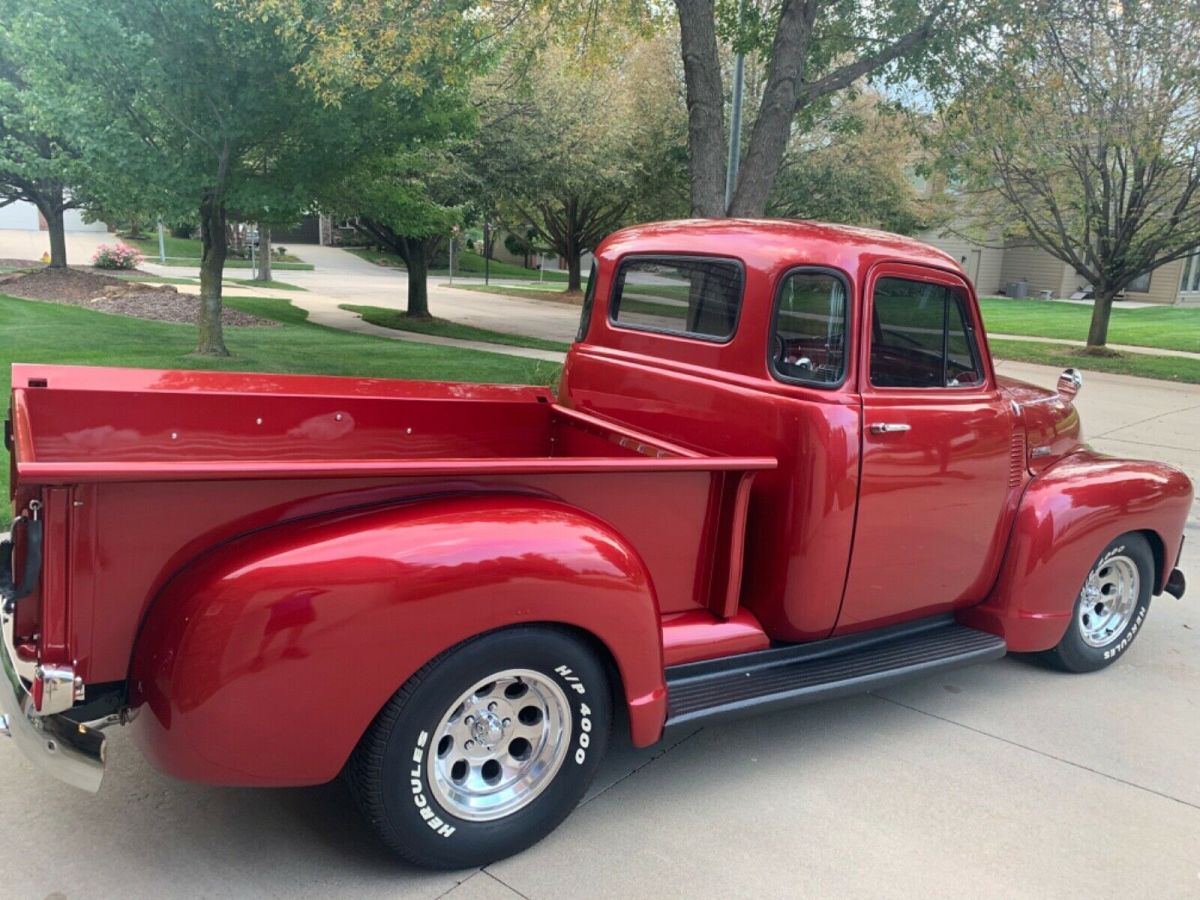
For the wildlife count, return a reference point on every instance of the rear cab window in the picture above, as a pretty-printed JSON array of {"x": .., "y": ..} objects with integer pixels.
[{"x": 694, "y": 297}]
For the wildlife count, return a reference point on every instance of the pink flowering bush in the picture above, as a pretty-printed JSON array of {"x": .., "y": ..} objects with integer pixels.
[{"x": 118, "y": 256}]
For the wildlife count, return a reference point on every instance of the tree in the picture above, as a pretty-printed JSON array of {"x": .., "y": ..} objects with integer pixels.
[
  {"x": 854, "y": 166},
  {"x": 813, "y": 51},
  {"x": 175, "y": 104},
  {"x": 1086, "y": 140},
  {"x": 575, "y": 147},
  {"x": 37, "y": 164},
  {"x": 407, "y": 201},
  {"x": 191, "y": 106}
]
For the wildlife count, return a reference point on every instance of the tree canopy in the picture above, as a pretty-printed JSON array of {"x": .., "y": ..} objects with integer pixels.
[
  {"x": 576, "y": 147},
  {"x": 39, "y": 163},
  {"x": 1085, "y": 140}
]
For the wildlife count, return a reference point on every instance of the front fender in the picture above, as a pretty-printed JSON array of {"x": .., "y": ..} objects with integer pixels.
[
  {"x": 264, "y": 662},
  {"x": 1066, "y": 517}
]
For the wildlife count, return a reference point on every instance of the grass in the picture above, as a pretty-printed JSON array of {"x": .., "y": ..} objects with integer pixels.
[
  {"x": 1160, "y": 327},
  {"x": 154, "y": 279},
  {"x": 53, "y": 333},
  {"x": 273, "y": 284},
  {"x": 466, "y": 263},
  {"x": 245, "y": 282},
  {"x": 1142, "y": 365},
  {"x": 186, "y": 252},
  {"x": 390, "y": 318}
]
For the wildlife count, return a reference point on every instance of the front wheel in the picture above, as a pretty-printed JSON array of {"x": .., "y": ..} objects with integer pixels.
[
  {"x": 486, "y": 749},
  {"x": 1110, "y": 608}
]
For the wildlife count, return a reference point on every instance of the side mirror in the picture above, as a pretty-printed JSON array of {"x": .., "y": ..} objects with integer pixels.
[{"x": 1069, "y": 383}]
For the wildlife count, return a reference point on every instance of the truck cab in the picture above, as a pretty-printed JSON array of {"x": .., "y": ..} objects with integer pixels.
[{"x": 780, "y": 467}]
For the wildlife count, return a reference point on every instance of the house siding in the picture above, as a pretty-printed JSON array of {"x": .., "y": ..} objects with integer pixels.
[
  {"x": 987, "y": 278},
  {"x": 1039, "y": 268},
  {"x": 1164, "y": 285}
]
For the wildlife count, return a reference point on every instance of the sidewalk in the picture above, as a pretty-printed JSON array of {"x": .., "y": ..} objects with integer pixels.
[{"x": 1122, "y": 348}]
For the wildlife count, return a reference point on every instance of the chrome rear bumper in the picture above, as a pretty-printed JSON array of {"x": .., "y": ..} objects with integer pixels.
[{"x": 69, "y": 751}]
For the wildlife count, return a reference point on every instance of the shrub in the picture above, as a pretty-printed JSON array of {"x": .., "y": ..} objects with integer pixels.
[
  {"x": 281, "y": 251},
  {"x": 117, "y": 256}
]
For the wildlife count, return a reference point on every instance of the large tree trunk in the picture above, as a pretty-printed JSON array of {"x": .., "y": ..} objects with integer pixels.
[
  {"x": 50, "y": 204},
  {"x": 264, "y": 252},
  {"x": 773, "y": 125},
  {"x": 213, "y": 247},
  {"x": 786, "y": 91},
  {"x": 418, "y": 278},
  {"x": 574, "y": 273},
  {"x": 705, "y": 106},
  {"x": 1101, "y": 313},
  {"x": 58, "y": 236}
]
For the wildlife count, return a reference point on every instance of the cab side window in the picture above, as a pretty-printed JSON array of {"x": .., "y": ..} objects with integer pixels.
[
  {"x": 809, "y": 340},
  {"x": 921, "y": 336}
]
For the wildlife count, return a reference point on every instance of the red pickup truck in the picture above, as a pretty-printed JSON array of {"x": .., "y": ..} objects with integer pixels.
[{"x": 780, "y": 467}]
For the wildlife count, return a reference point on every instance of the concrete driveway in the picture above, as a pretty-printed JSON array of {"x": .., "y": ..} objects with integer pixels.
[{"x": 1004, "y": 780}]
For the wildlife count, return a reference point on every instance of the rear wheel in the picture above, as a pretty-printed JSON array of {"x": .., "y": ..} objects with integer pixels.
[
  {"x": 1110, "y": 608},
  {"x": 486, "y": 749}
]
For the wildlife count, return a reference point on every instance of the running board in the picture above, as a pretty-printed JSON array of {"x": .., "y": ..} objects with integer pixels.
[{"x": 805, "y": 673}]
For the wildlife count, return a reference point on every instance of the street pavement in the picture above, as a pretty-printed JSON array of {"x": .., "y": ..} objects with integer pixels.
[{"x": 1003, "y": 780}]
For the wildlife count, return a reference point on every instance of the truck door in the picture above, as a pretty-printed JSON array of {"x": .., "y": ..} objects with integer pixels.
[{"x": 936, "y": 444}]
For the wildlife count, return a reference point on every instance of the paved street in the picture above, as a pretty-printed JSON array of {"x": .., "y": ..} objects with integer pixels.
[{"x": 1004, "y": 780}]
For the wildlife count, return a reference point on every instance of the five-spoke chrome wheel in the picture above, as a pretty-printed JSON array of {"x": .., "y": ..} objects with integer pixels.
[
  {"x": 1108, "y": 600},
  {"x": 499, "y": 745}
]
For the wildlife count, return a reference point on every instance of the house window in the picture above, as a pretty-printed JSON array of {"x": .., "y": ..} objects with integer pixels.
[
  {"x": 1140, "y": 285},
  {"x": 1190, "y": 280}
]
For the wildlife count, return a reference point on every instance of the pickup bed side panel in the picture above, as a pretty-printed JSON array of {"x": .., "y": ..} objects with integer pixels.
[
  {"x": 1066, "y": 517},
  {"x": 265, "y": 661}
]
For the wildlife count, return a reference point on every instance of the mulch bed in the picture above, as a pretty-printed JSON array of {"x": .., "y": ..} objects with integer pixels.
[{"x": 86, "y": 287}]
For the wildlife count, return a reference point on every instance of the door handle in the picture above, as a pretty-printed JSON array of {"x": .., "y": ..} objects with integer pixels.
[{"x": 889, "y": 427}]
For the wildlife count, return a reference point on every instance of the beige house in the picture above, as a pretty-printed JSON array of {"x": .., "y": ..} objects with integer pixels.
[{"x": 996, "y": 266}]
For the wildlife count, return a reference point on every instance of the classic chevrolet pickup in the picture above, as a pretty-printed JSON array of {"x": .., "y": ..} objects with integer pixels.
[{"x": 780, "y": 467}]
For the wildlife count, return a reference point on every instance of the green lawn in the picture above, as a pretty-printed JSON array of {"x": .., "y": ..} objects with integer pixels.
[
  {"x": 466, "y": 263},
  {"x": 154, "y": 279},
  {"x": 52, "y": 333},
  {"x": 1143, "y": 365},
  {"x": 390, "y": 318},
  {"x": 272, "y": 284},
  {"x": 1161, "y": 327},
  {"x": 187, "y": 279},
  {"x": 186, "y": 252}
]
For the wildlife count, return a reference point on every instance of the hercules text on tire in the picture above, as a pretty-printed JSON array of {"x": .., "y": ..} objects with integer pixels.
[
  {"x": 486, "y": 749},
  {"x": 1111, "y": 606}
]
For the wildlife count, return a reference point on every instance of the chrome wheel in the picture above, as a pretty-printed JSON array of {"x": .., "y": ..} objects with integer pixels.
[
  {"x": 1108, "y": 599},
  {"x": 499, "y": 745}
]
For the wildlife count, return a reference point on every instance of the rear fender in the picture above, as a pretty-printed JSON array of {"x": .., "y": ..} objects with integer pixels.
[
  {"x": 264, "y": 662},
  {"x": 1066, "y": 517}
]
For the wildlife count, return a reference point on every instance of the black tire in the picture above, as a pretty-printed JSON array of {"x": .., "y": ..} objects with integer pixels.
[
  {"x": 389, "y": 772},
  {"x": 1074, "y": 653}
]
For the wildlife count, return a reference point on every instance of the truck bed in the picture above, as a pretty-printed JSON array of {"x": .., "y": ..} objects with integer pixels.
[
  {"x": 131, "y": 424},
  {"x": 146, "y": 470}
]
